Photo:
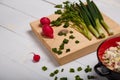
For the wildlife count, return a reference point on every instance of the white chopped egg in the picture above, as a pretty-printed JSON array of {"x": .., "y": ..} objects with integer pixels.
[{"x": 111, "y": 58}]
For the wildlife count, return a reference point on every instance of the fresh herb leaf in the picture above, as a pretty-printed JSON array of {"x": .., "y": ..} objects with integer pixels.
[
  {"x": 88, "y": 69},
  {"x": 72, "y": 70},
  {"x": 44, "y": 68},
  {"x": 67, "y": 50},
  {"x": 65, "y": 41},
  {"x": 58, "y": 6},
  {"x": 79, "y": 68}
]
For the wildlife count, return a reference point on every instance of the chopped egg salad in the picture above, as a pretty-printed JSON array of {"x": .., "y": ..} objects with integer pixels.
[{"x": 111, "y": 58}]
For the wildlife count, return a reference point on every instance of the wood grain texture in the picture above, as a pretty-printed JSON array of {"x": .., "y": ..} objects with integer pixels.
[{"x": 77, "y": 50}]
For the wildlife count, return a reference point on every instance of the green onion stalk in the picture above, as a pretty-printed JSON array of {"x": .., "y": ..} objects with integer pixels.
[
  {"x": 98, "y": 26},
  {"x": 107, "y": 28}
]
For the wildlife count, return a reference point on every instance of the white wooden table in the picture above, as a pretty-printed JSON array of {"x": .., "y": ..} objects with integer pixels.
[{"x": 17, "y": 41}]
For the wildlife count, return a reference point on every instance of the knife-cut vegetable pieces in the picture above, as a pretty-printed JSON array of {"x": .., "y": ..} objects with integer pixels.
[
  {"x": 44, "y": 68},
  {"x": 86, "y": 19}
]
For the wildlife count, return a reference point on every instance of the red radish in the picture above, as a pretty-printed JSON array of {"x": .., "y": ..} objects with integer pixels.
[
  {"x": 45, "y": 20},
  {"x": 47, "y": 31},
  {"x": 36, "y": 58}
]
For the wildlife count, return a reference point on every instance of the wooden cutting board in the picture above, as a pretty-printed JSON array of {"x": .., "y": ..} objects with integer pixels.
[{"x": 76, "y": 50}]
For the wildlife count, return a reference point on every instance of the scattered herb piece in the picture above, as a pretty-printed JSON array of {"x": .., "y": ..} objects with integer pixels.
[
  {"x": 56, "y": 22},
  {"x": 55, "y": 78},
  {"x": 65, "y": 41},
  {"x": 71, "y": 37},
  {"x": 72, "y": 70},
  {"x": 79, "y": 68},
  {"x": 44, "y": 68},
  {"x": 67, "y": 50},
  {"x": 61, "y": 46},
  {"x": 58, "y": 12},
  {"x": 66, "y": 2},
  {"x": 88, "y": 69},
  {"x": 59, "y": 52},
  {"x": 71, "y": 32},
  {"x": 66, "y": 24},
  {"x": 91, "y": 77},
  {"x": 77, "y": 77},
  {"x": 62, "y": 70},
  {"x": 76, "y": 41},
  {"x": 56, "y": 71},
  {"x": 54, "y": 50},
  {"x": 63, "y": 78},
  {"x": 58, "y": 6},
  {"x": 52, "y": 74}
]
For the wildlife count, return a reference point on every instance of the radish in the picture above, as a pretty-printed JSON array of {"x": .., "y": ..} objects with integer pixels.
[
  {"x": 47, "y": 31},
  {"x": 36, "y": 58},
  {"x": 45, "y": 20}
]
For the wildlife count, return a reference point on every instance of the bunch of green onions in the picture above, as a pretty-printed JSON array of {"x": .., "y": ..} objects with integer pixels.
[{"x": 86, "y": 19}]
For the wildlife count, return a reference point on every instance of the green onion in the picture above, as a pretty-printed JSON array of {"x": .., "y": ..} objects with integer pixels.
[
  {"x": 71, "y": 70},
  {"x": 58, "y": 12},
  {"x": 44, "y": 68},
  {"x": 71, "y": 37},
  {"x": 98, "y": 26},
  {"x": 58, "y": 6},
  {"x": 71, "y": 32},
  {"x": 62, "y": 70},
  {"x": 107, "y": 28},
  {"x": 67, "y": 50},
  {"x": 76, "y": 41},
  {"x": 63, "y": 78},
  {"x": 55, "y": 78},
  {"x": 52, "y": 74},
  {"x": 65, "y": 41},
  {"x": 77, "y": 77},
  {"x": 66, "y": 24},
  {"x": 88, "y": 69},
  {"x": 91, "y": 77},
  {"x": 79, "y": 69},
  {"x": 56, "y": 71}
]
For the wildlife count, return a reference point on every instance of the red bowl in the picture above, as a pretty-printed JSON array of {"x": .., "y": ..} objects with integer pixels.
[
  {"x": 111, "y": 42},
  {"x": 102, "y": 69}
]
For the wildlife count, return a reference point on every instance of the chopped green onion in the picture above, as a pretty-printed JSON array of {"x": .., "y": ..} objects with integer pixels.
[
  {"x": 88, "y": 69},
  {"x": 65, "y": 41},
  {"x": 55, "y": 78},
  {"x": 76, "y": 41},
  {"x": 79, "y": 68},
  {"x": 77, "y": 77},
  {"x": 71, "y": 37},
  {"x": 58, "y": 12},
  {"x": 52, "y": 74},
  {"x": 67, "y": 50},
  {"x": 72, "y": 70},
  {"x": 63, "y": 78},
  {"x": 56, "y": 71},
  {"x": 44, "y": 68},
  {"x": 58, "y": 6}
]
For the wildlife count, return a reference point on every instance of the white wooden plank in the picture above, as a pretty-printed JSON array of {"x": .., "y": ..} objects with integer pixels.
[{"x": 12, "y": 70}]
